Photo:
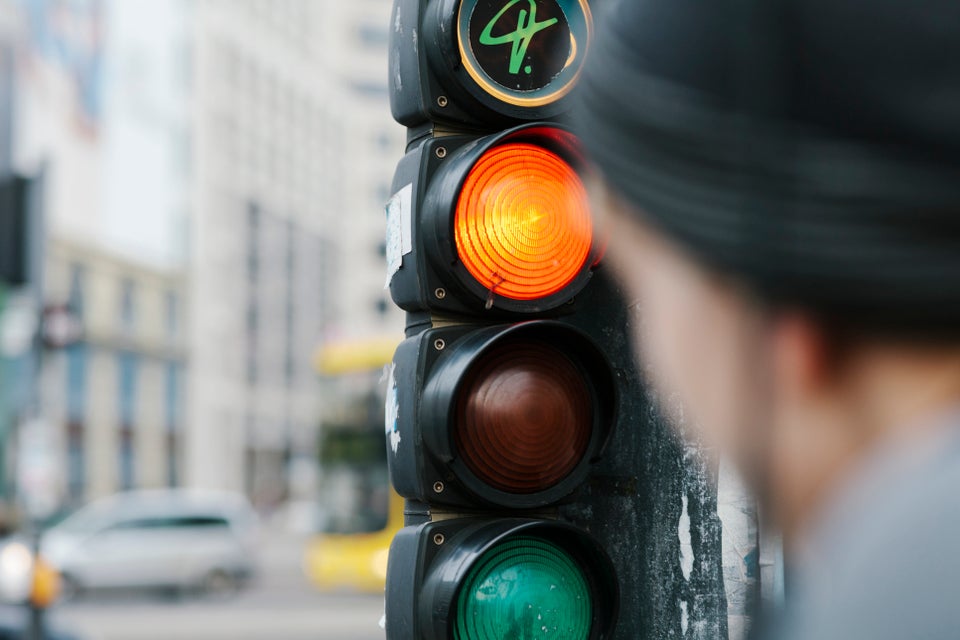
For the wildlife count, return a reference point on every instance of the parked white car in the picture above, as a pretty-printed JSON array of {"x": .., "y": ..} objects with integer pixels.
[{"x": 176, "y": 540}]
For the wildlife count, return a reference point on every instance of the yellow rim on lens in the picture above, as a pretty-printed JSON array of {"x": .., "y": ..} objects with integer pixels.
[{"x": 497, "y": 91}]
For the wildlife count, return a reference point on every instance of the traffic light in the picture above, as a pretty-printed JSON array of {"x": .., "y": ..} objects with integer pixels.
[
  {"x": 543, "y": 491},
  {"x": 14, "y": 230},
  {"x": 498, "y": 406}
]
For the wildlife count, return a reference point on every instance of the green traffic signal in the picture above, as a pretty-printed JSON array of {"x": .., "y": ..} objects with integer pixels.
[
  {"x": 525, "y": 588},
  {"x": 481, "y": 578}
]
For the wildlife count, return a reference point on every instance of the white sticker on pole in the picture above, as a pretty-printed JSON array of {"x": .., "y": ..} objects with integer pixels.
[
  {"x": 399, "y": 230},
  {"x": 392, "y": 412}
]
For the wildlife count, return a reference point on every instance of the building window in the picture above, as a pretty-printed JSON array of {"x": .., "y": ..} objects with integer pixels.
[
  {"x": 173, "y": 477},
  {"x": 127, "y": 382},
  {"x": 253, "y": 267},
  {"x": 253, "y": 275},
  {"x": 173, "y": 413},
  {"x": 127, "y": 372},
  {"x": 126, "y": 459},
  {"x": 172, "y": 397},
  {"x": 384, "y": 141},
  {"x": 171, "y": 311},
  {"x": 77, "y": 383},
  {"x": 77, "y": 357},
  {"x": 373, "y": 36},
  {"x": 128, "y": 291},
  {"x": 253, "y": 371},
  {"x": 78, "y": 277},
  {"x": 253, "y": 241},
  {"x": 76, "y": 462},
  {"x": 370, "y": 89},
  {"x": 289, "y": 366}
]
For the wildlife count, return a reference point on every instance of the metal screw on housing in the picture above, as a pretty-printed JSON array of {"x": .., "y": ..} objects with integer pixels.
[
  {"x": 440, "y": 293},
  {"x": 442, "y": 101},
  {"x": 439, "y": 344},
  {"x": 438, "y": 487},
  {"x": 441, "y": 152},
  {"x": 438, "y": 539}
]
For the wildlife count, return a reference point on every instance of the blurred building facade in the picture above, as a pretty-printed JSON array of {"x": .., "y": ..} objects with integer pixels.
[
  {"x": 97, "y": 106},
  {"x": 260, "y": 262},
  {"x": 355, "y": 37},
  {"x": 9, "y": 31},
  {"x": 216, "y": 173},
  {"x": 119, "y": 393},
  {"x": 294, "y": 146}
]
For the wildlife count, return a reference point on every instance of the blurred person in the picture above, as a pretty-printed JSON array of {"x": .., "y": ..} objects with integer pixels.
[{"x": 782, "y": 188}]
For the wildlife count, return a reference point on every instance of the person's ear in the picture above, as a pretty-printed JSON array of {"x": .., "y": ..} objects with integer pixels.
[{"x": 803, "y": 356}]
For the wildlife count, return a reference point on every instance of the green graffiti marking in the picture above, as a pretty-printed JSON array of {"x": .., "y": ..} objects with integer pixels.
[{"x": 527, "y": 27}]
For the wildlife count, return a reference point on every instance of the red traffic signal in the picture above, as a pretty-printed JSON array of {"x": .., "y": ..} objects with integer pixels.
[
  {"x": 522, "y": 225},
  {"x": 500, "y": 225}
]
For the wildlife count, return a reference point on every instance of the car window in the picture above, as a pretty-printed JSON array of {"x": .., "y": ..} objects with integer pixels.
[
  {"x": 87, "y": 520},
  {"x": 179, "y": 522},
  {"x": 202, "y": 521}
]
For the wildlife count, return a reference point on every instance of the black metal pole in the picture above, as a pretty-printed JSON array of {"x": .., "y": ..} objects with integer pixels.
[
  {"x": 36, "y": 239},
  {"x": 36, "y": 622}
]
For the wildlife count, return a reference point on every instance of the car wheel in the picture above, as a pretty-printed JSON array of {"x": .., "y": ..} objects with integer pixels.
[{"x": 219, "y": 585}]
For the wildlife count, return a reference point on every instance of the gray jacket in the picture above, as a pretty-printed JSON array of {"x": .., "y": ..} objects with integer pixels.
[{"x": 883, "y": 563}]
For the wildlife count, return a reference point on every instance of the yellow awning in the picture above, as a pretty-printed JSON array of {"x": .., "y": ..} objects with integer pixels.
[{"x": 354, "y": 356}]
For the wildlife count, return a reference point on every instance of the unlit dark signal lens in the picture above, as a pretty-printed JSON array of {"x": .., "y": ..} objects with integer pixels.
[{"x": 525, "y": 417}]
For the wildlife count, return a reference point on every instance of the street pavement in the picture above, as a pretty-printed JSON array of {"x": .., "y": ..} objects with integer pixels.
[{"x": 282, "y": 605}]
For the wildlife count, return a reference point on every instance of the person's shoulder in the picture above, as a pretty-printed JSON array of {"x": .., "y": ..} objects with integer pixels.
[{"x": 897, "y": 576}]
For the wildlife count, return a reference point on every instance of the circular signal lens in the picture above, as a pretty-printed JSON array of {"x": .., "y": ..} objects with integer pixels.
[
  {"x": 522, "y": 226},
  {"x": 524, "y": 587},
  {"x": 525, "y": 53},
  {"x": 524, "y": 417}
]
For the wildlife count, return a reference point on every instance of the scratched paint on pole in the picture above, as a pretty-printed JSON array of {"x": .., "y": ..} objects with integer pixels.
[{"x": 648, "y": 487}]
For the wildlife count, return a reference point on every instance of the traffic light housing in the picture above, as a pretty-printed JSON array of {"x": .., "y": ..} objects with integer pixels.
[
  {"x": 498, "y": 407},
  {"x": 543, "y": 489}
]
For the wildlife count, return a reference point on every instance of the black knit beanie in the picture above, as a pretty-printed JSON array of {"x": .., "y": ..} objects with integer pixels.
[{"x": 809, "y": 147}]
